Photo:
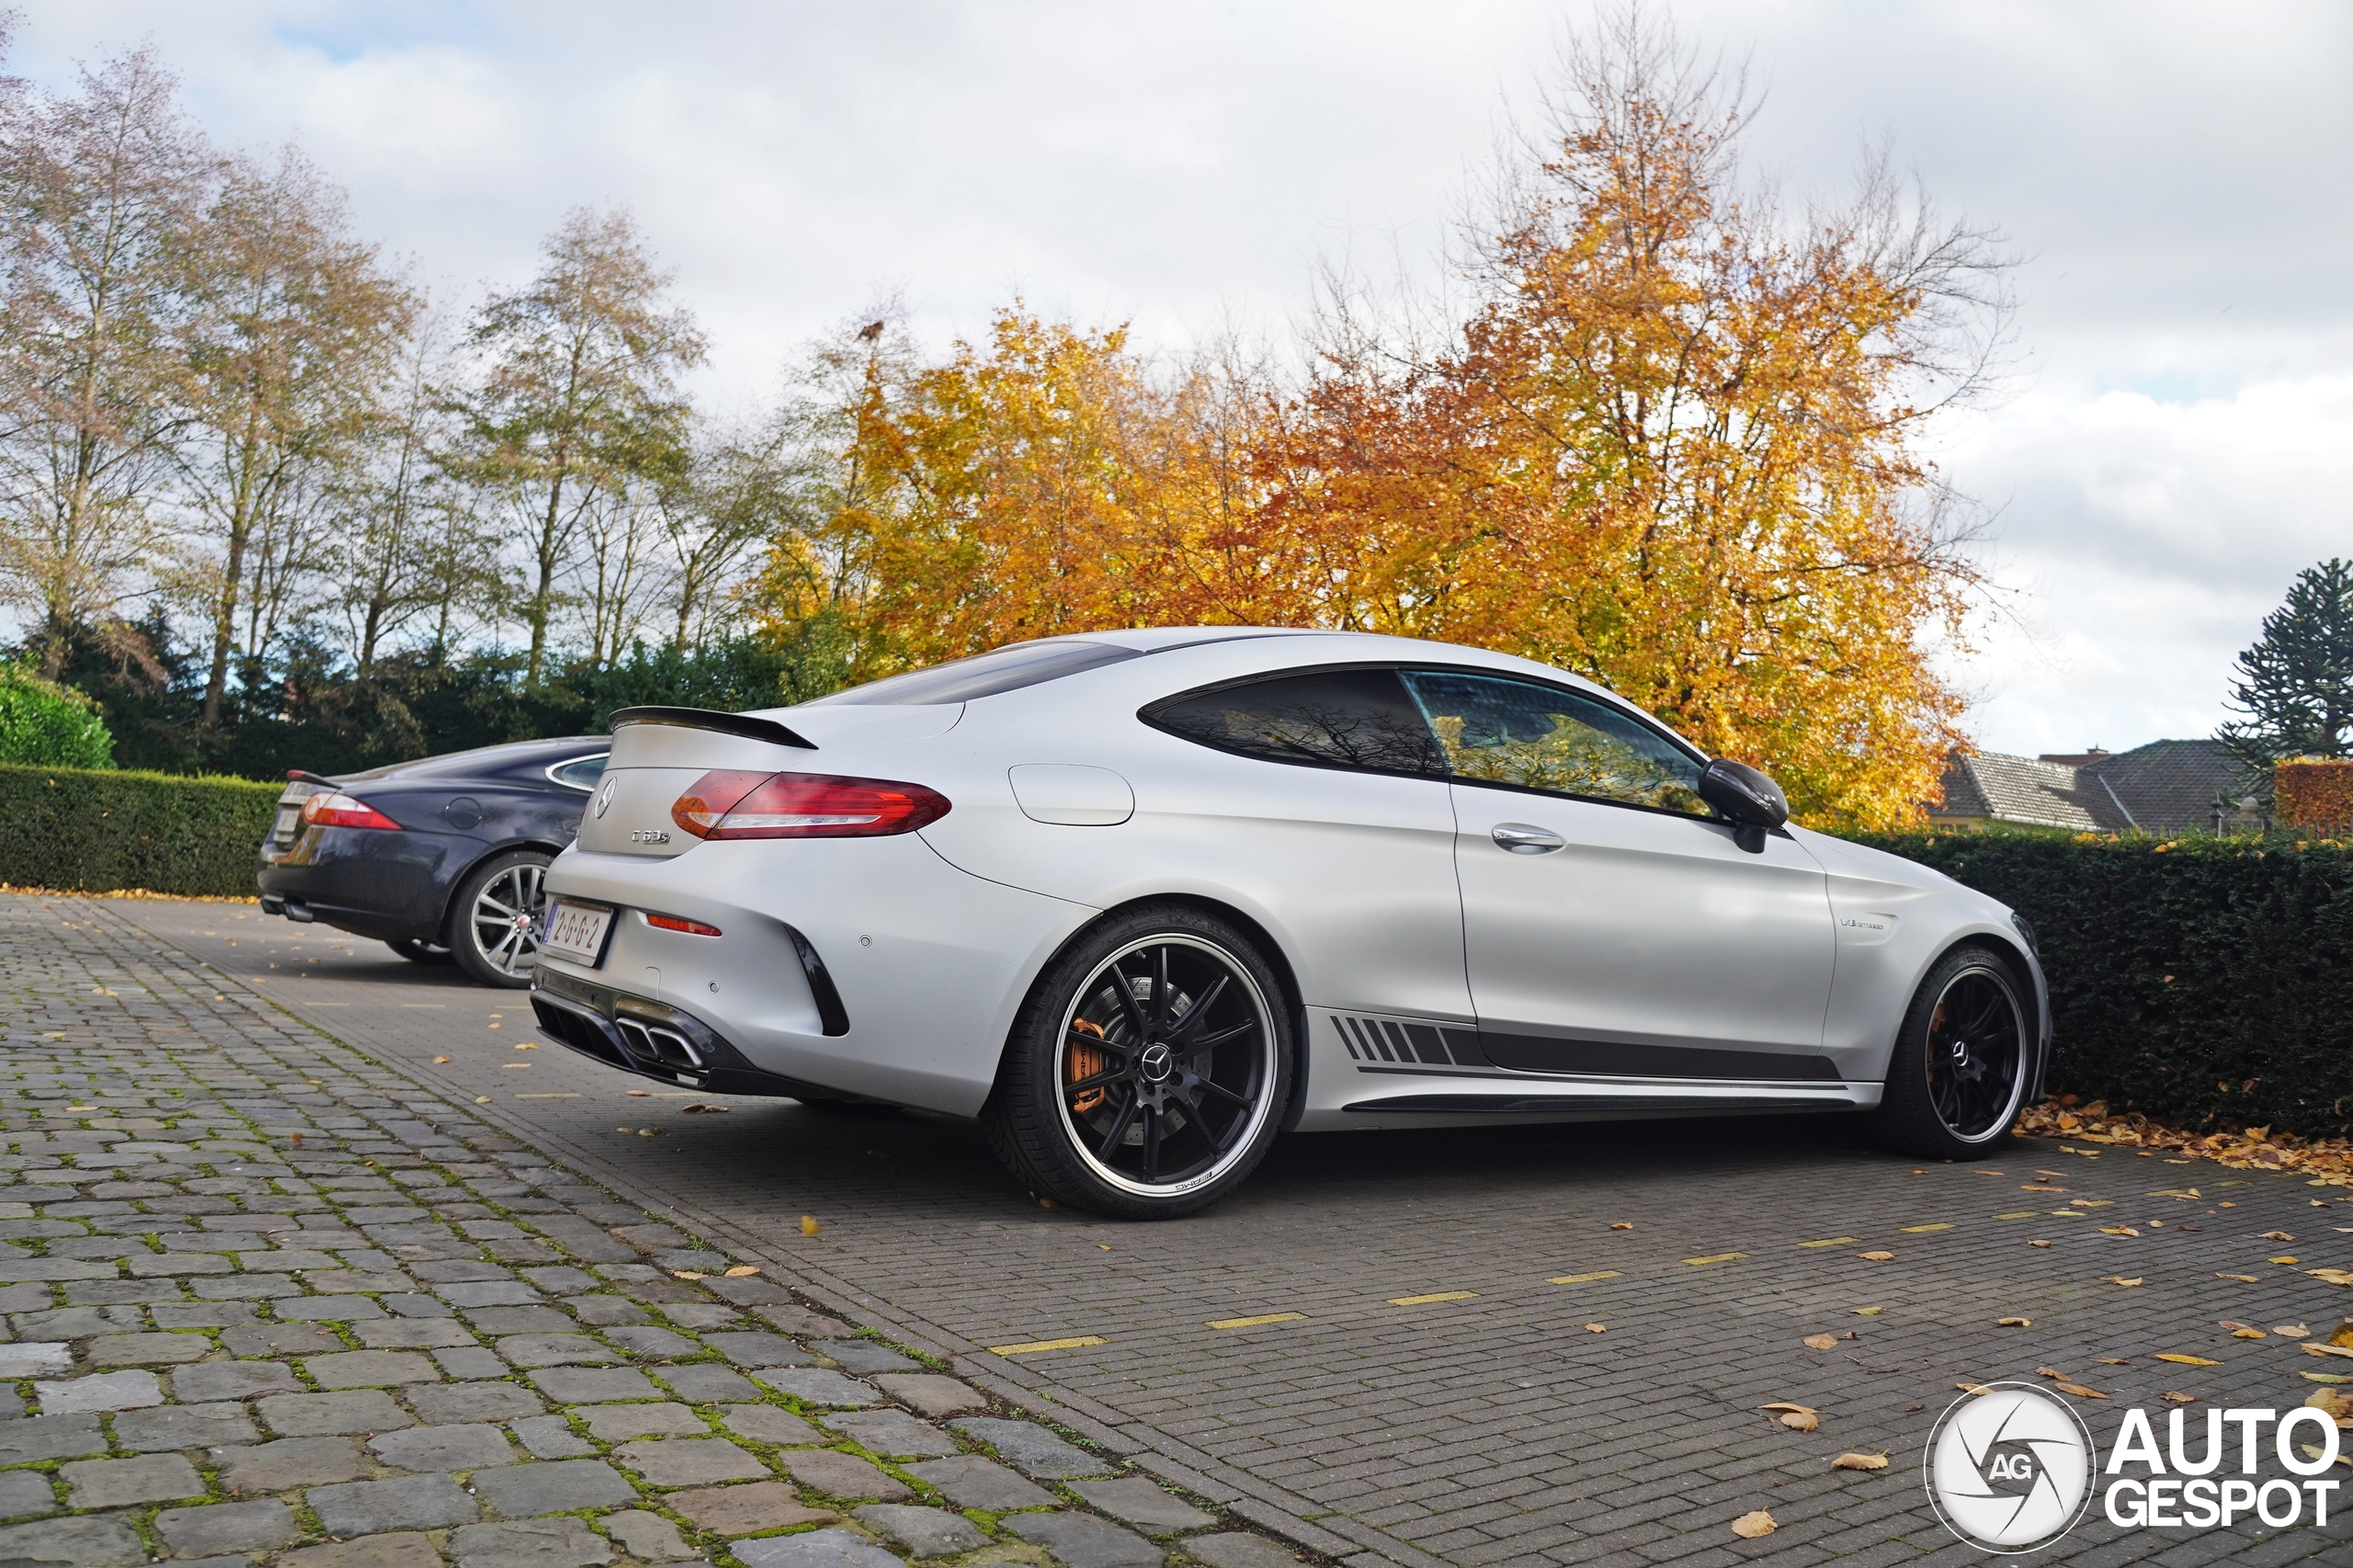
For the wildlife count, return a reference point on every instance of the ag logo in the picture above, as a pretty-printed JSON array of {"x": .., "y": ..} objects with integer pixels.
[
  {"x": 604, "y": 796},
  {"x": 2010, "y": 1470}
]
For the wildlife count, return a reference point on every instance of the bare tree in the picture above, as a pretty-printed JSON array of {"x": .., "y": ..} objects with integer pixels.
[
  {"x": 412, "y": 548},
  {"x": 99, "y": 190},
  {"x": 295, "y": 330},
  {"x": 579, "y": 397},
  {"x": 741, "y": 489},
  {"x": 619, "y": 576}
]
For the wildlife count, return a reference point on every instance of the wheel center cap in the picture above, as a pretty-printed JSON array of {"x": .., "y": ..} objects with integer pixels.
[
  {"x": 1961, "y": 1050},
  {"x": 1157, "y": 1063}
]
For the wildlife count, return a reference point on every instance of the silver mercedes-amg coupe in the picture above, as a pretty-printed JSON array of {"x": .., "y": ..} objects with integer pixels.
[{"x": 1140, "y": 900}]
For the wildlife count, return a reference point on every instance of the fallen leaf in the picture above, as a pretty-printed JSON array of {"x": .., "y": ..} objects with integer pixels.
[
  {"x": 1048, "y": 1203},
  {"x": 2080, "y": 1391},
  {"x": 2344, "y": 1334},
  {"x": 2331, "y": 1348},
  {"x": 1748, "y": 1527},
  {"x": 482, "y": 1100},
  {"x": 642, "y": 1094},
  {"x": 1821, "y": 1342},
  {"x": 2278, "y": 1237},
  {"x": 2177, "y": 1397},
  {"x": 1622, "y": 1225},
  {"x": 2243, "y": 1278},
  {"x": 1859, "y": 1461},
  {"x": 1875, "y": 1256},
  {"x": 1970, "y": 1387},
  {"x": 1784, "y": 1405},
  {"x": 2038, "y": 1243},
  {"x": 704, "y": 1109},
  {"x": 2036, "y": 1187},
  {"x": 1869, "y": 1311},
  {"x": 2113, "y": 1360},
  {"x": 617, "y": 1129},
  {"x": 743, "y": 1272},
  {"x": 2181, "y": 1360},
  {"x": 2325, "y": 1378},
  {"x": 440, "y": 1058},
  {"x": 2290, "y": 1331},
  {"x": 650, "y": 1131},
  {"x": 1801, "y": 1421},
  {"x": 684, "y": 1274},
  {"x": 2050, "y": 1372},
  {"x": 2281, "y": 1259},
  {"x": 2014, "y": 1322},
  {"x": 2333, "y": 1404},
  {"x": 808, "y": 1226},
  {"x": 2118, "y": 1231},
  {"x": 1596, "y": 1328},
  {"x": 2119, "y": 1279}
]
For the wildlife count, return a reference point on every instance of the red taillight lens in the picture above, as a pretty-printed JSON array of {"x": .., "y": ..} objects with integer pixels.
[
  {"x": 804, "y": 805},
  {"x": 333, "y": 807},
  {"x": 673, "y": 923}
]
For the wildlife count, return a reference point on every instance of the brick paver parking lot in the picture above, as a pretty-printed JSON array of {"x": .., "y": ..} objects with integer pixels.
[{"x": 1545, "y": 1345}]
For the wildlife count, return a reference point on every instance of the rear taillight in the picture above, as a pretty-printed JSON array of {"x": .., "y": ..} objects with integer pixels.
[
  {"x": 333, "y": 807},
  {"x": 676, "y": 922},
  {"x": 804, "y": 805}
]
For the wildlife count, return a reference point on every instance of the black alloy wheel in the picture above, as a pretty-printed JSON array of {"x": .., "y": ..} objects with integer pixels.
[
  {"x": 493, "y": 928},
  {"x": 1149, "y": 1069},
  {"x": 1962, "y": 1061}
]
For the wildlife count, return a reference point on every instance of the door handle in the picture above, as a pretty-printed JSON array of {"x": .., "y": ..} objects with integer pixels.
[{"x": 1522, "y": 839}]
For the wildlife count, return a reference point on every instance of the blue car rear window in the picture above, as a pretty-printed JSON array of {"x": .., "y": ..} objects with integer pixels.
[{"x": 986, "y": 675}]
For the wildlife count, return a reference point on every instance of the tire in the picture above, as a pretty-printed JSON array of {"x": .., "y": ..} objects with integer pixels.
[
  {"x": 1962, "y": 1061},
  {"x": 1156, "y": 1094},
  {"x": 493, "y": 919},
  {"x": 417, "y": 951}
]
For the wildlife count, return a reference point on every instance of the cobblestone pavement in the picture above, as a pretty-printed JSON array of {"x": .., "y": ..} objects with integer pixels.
[{"x": 1378, "y": 1350}]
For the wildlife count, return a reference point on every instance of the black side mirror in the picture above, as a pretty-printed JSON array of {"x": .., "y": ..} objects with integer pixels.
[{"x": 1745, "y": 798}]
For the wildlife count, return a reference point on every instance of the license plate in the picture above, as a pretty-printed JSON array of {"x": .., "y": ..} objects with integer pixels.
[
  {"x": 288, "y": 816},
  {"x": 576, "y": 931}
]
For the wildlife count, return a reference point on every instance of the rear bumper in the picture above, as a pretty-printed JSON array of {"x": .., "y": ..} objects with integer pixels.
[
  {"x": 856, "y": 968},
  {"x": 371, "y": 883},
  {"x": 649, "y": 1040}
]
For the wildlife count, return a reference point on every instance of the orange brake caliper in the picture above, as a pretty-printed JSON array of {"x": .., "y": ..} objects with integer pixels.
[{"x": 1083, "y": 1062}]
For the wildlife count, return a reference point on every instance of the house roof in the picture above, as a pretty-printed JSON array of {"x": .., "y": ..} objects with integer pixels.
[{"x": 2164, "y": 786}]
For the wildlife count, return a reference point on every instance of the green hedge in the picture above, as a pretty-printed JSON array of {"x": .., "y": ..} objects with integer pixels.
[
  {"x": 2197, "y": 980},
  {"x": 85, "y": 831}
]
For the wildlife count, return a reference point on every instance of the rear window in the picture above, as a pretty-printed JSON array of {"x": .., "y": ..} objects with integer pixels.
[
  {"x": 986, "y": 675},
  {"x": 1360, "y": 718},
  {"x": 582, "y": 774}
]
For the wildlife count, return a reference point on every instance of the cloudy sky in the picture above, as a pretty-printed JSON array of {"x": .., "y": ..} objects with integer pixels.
[{"x": 2177, "y": 176}]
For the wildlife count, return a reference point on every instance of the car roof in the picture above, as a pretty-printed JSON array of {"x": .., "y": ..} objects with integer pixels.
[{"x": 508, "y": 759}]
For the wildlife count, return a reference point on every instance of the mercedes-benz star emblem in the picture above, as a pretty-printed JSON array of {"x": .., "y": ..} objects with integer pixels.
[{"x": 604, "y": 796}]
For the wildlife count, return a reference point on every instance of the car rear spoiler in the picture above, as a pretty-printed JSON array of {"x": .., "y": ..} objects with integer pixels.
[{"x": 712, "y": 719}]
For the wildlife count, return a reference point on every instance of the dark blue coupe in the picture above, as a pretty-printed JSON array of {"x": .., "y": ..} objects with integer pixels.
[{"x": 443, "y": 859}]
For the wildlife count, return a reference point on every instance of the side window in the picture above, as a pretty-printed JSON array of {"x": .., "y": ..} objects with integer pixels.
[
  {"x": 582, "y": 774},
  {"x": 1357, "y": 719},
  {"x": 1541, "y": 737}
]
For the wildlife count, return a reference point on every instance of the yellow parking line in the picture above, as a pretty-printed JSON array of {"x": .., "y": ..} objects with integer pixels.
[
  {"x": 1259, "y": 1321},
  {"x": 1714, "y": 1257},
  {"x": 1436, "y": 1296},
  {"x": 1037, "y": 1344},
  {"x": 1830, "y": 1242},
  {"x": 1923, "y": 1230},
  {"x": 1581, "y": 1279}
]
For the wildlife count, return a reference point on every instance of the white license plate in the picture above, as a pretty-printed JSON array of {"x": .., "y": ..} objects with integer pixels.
[
  {"x": 287, "y": 817},
  {"x": 576, "y": 931}
]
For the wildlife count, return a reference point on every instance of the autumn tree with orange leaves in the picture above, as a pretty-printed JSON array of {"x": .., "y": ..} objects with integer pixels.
[{"x": 1674, "y": 445}]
